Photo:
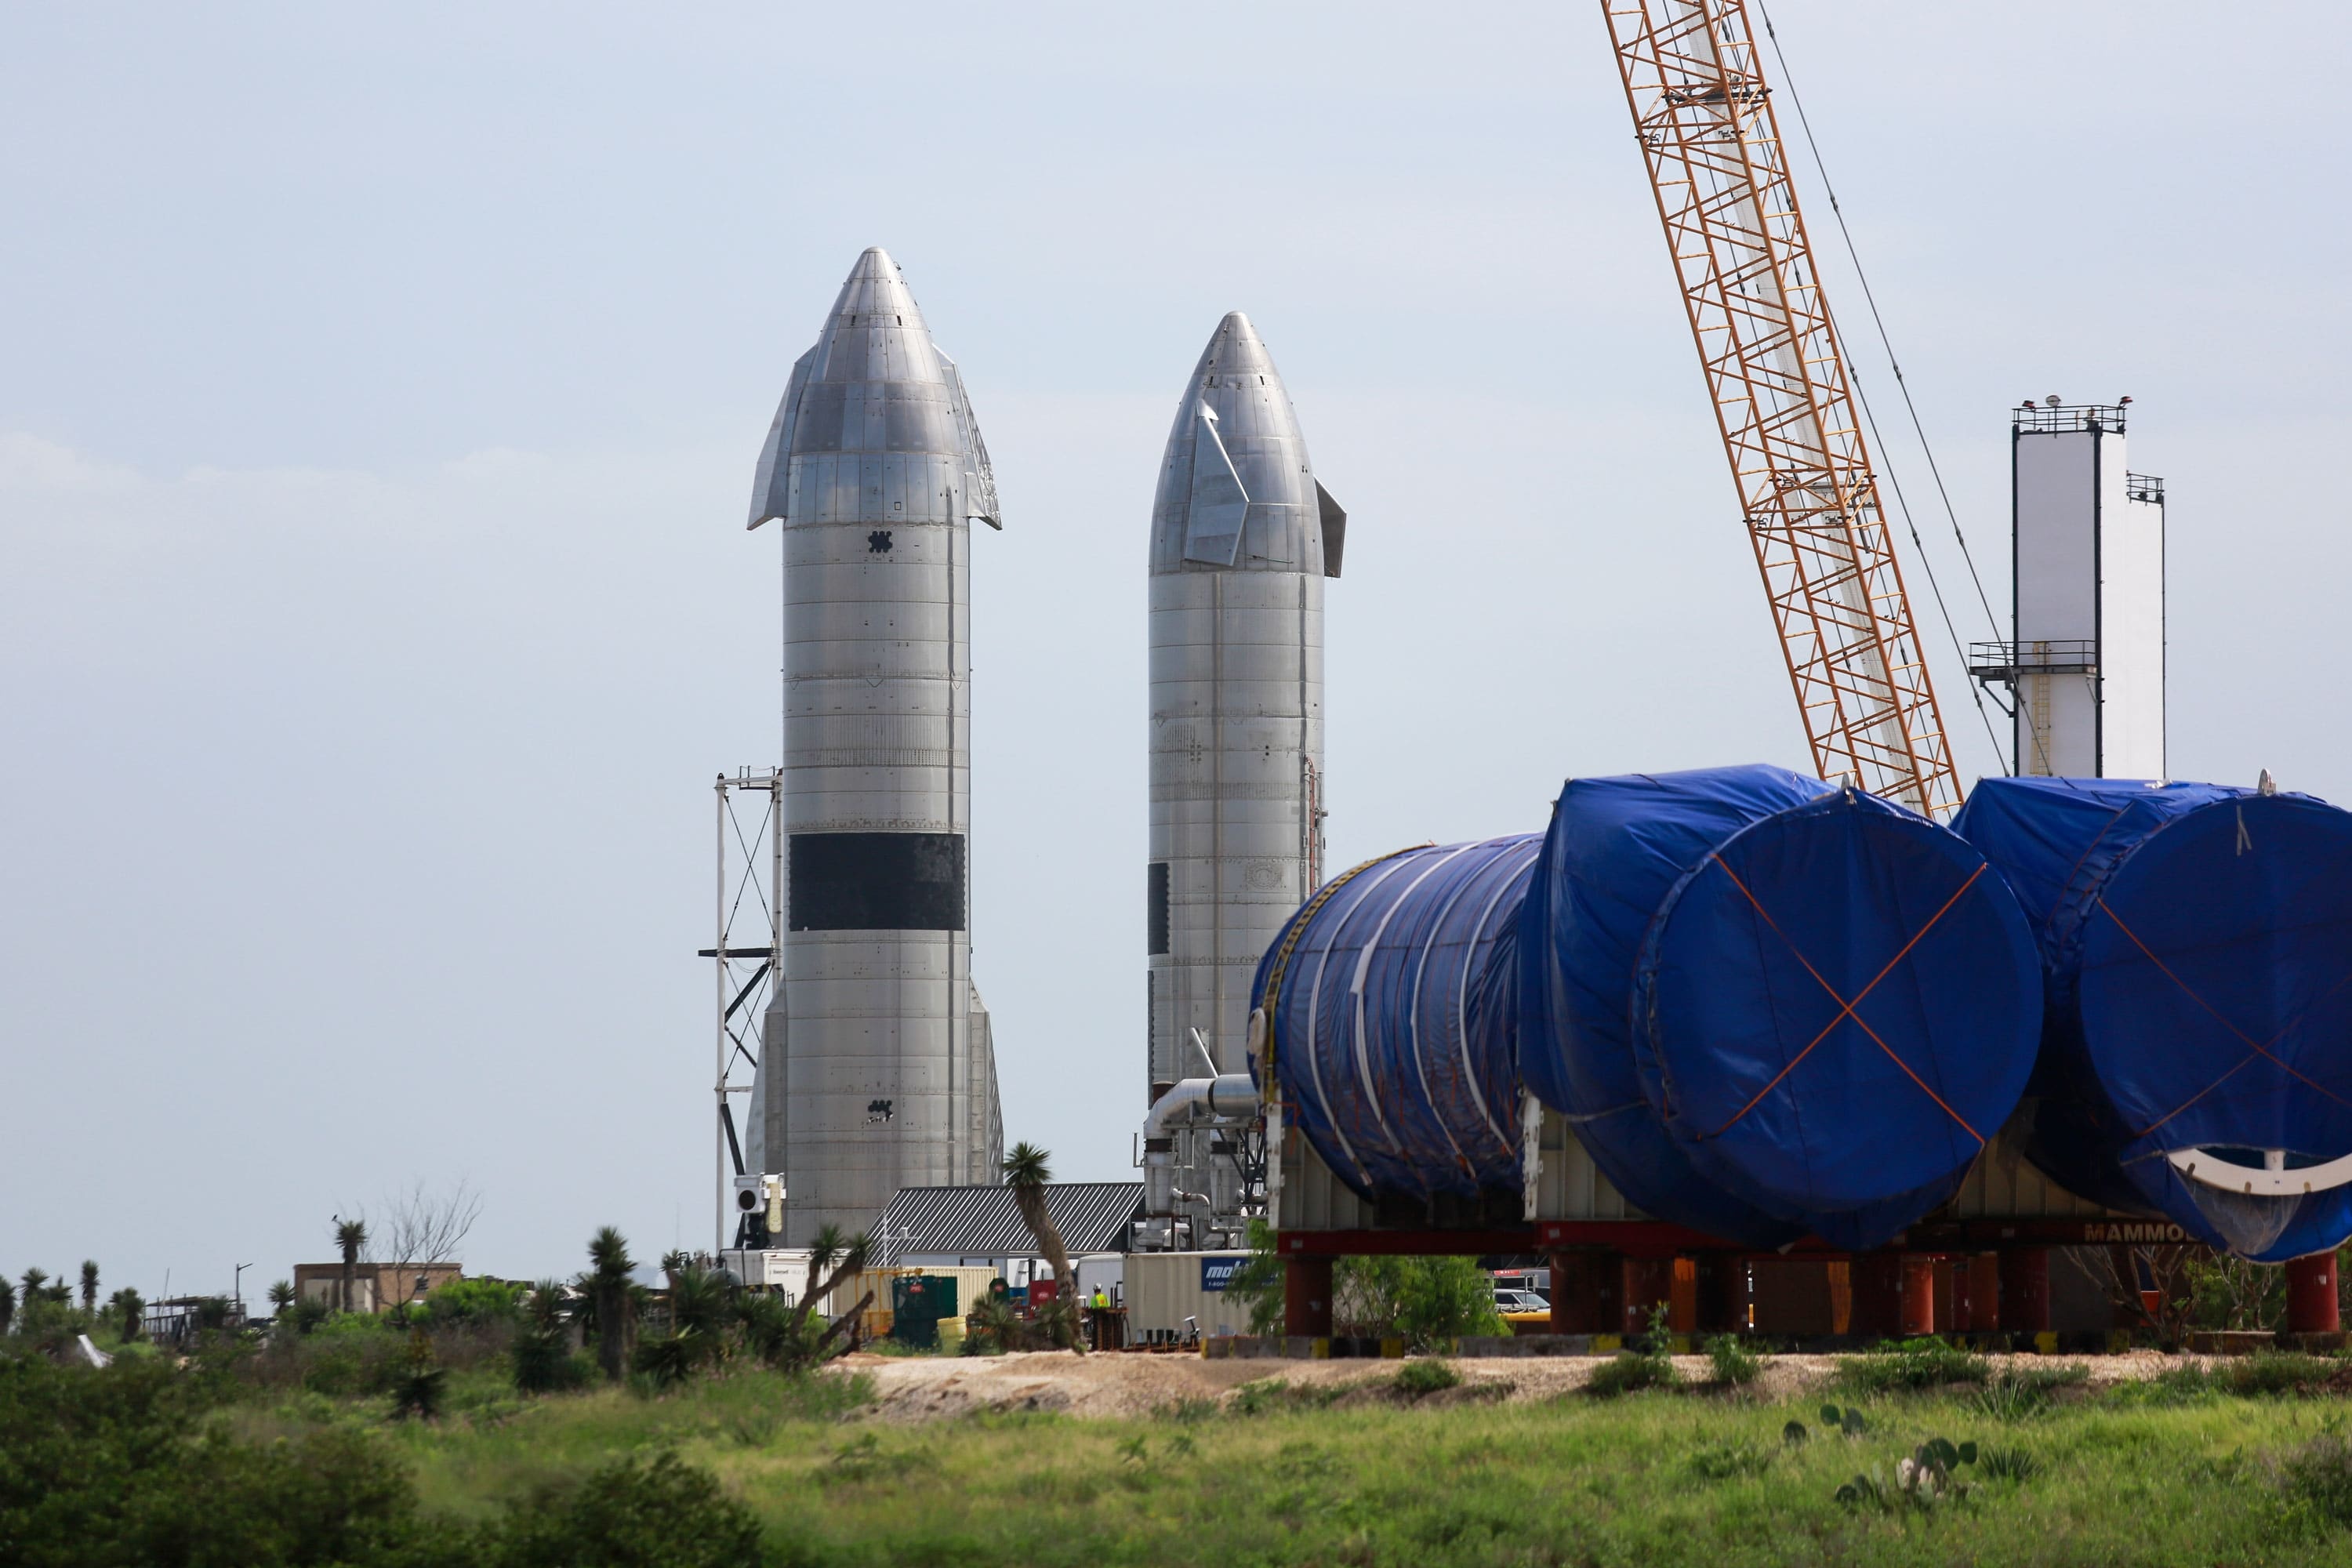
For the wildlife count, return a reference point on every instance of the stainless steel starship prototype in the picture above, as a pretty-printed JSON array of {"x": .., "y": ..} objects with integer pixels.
[
  {"x": 876, "y": 1070},
  {"x": 1242, "y": 537}
]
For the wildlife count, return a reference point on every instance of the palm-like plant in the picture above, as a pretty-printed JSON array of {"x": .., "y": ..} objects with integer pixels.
[
  {"x": 281, "y": 1296},
  {"x": 828, "y": 1250},
  {"x": 34, "y": 1278},
  {"x": 670, "y": 1359},
  {"x": 546, "y": 1304},
  {"x": 608, "y": 1281},
  {"x": 996, "y": 1326},
  {"x": 351, "y": 1234},
  {"x": 8, "y": 1305},
  {"x": 1026, "y": 1172},
  {"x": 127, "y": 1309},
  {"x": 769, "y": 1329},
  {"x": 416, "y": 1388},
  {"x": 88, "y": 1287},
  {"x": 541, "y": 1351},
  {"x": 701, "y": 1299},
  {"x": 824, "y": 1247}
]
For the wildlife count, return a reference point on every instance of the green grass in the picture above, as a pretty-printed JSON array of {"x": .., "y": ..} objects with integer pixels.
[
  {"x": 1735, "y": 1364},
  {"x": 1913, "y": 1365},
  {"x": 2247, "y": 1465},
  {"x": 1654, "y": 1478},
  {"x": 1629, "y": 1372},
  {"x": 2281, "y": 1371},
  {"x": 2023, "y": 1392},
  {"x": 1426, "y": 1374}
]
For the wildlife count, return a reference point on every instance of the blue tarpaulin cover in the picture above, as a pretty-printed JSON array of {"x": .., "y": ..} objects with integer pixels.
[
  {"x": 1770, "y": 1007},
  {"x": 2198, "y": 944},
  {"x": 1391, "y": 1047}
]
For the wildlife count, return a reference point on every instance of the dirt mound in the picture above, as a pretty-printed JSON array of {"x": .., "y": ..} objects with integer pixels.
[{"x": 930, "y": 1388}]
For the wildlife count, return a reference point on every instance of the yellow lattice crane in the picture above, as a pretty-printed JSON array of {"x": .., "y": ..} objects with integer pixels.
[{"x": 1703, "y": 114}]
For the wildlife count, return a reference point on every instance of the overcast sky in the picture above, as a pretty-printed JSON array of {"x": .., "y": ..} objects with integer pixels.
[{"x": 379, "y": 397}]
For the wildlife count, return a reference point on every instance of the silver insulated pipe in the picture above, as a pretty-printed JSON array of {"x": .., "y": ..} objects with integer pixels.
[
  {"x": 1242, "y": 537},
  {"x": 876, "y": 1068}
]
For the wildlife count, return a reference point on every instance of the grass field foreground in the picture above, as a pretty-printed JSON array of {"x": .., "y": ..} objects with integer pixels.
[{"x": 2172, "y": 1472}]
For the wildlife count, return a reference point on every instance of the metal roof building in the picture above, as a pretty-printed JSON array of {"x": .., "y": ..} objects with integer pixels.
[{"x": 985, "y": 1221}]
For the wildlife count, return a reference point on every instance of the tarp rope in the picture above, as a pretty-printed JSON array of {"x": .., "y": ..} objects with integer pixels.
[
  {"x": 1290, "y": 939},
  {"x": 2256, "y": 1047},
  {"x": 1846, "y": 1008}
]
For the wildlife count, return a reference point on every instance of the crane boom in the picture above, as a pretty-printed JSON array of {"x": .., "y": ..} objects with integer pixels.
[{"x": 1703, "y": 114}]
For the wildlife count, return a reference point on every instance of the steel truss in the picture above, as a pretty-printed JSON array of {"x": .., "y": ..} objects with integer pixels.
[
  {"x": 746, "y": 958},
  {"x": 1703, "y": 113}
]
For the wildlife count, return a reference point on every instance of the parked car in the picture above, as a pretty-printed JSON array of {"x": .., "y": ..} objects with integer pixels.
[{"x": 1524, "y": 1311}]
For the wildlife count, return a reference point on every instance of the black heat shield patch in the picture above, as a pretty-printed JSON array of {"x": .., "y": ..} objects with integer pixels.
[{"x": 878, "y": 881}]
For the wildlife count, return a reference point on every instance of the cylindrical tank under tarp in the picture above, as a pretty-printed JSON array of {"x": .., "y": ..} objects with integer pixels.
[
  {"x": 2197, "y": 1054},
  {"x": 1770, "y": 1007},
  {"x": 1389, "y": 1037}
]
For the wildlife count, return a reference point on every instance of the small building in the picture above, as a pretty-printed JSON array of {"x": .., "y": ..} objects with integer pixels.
[
  {"x": 177, "y": 1320},
  {"x": 375, "y": 1287},
  {"x": 929, "y": 1227}
]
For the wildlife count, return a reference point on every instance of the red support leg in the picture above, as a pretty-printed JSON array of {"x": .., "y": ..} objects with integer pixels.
[
  {"x": 1649, "y": 1284},
  {"x": 1306, "y": 1297},
  {"x": 1917, "y": 1306},
  {"x": 2312, "y": 1306},
  {"x": 2025, "y": 1291},
  {"x": 1984, "y": 1292},
  {"x": 1584, "y": 1293},
  {"x": 1877, "y": 1283},
  {"x": 1722, "y": 1293}
]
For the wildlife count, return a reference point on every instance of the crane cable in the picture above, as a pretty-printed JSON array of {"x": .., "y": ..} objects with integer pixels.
[{"x": 1976, "y": 688}]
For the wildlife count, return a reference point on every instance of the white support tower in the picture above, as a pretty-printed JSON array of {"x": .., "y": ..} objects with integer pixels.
[{"x": 2085, "y": 665}]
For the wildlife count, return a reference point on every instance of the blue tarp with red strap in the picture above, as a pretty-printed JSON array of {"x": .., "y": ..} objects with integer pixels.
[
  {"x": 2197, "y": 941},
  {"x": 1770, "y": 1007}
]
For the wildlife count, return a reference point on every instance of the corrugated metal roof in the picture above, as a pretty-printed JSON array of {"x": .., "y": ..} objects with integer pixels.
[{"x": 985, "y": 1221}]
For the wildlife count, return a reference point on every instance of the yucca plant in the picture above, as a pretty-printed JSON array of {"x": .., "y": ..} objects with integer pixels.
[
  {"x": 351, "y": 1235},
  {"x": 1026, "y": 1172},
  {"x": 670, "y": 1359},
  {"x": 540, "y": 1352},
  {"x": 772, "y": 1332},
  {"x": 844, "y": 1257},
  {"x": 608, "y": 1280},
  {"x": 995, "y": 1327},
  {"x": 416, "y": 1388},
  {"x": 701, "y": 1299}
]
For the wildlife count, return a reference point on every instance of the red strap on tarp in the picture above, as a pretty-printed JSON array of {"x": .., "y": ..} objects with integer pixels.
[
  {"x": 1846, "y": 1008},
  {"x": 2255, "y": 1048}
]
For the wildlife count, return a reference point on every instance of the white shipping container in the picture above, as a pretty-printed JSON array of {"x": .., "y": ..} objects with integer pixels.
[{"x": 1163, "y": 1289}]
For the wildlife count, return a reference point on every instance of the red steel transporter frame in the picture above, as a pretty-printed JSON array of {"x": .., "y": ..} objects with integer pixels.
[{"x": 1981, "y": 1264}]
